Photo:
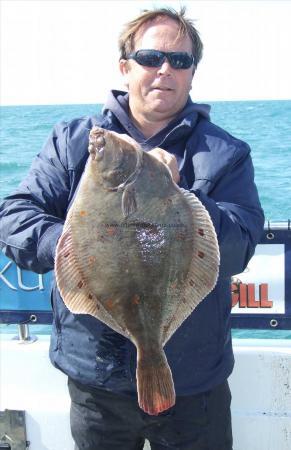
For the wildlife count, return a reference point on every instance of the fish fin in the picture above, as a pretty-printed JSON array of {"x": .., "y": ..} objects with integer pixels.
[
  {"x": 128, "y": 202},
  {"x": 155, "y": 387},
  {"x": 204, "y": 267},
  {"x": 73, "y": 287},
  {"x": 71, "y": 284}
]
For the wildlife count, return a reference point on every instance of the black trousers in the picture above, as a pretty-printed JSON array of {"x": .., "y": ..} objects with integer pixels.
[{"x": 102, "y": 420}]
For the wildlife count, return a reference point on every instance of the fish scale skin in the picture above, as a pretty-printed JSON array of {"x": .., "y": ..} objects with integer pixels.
[{"x": 127, "y": 263}]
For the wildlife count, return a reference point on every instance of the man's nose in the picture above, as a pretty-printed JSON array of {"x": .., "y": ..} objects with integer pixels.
[{"x": 165, "y": 68}]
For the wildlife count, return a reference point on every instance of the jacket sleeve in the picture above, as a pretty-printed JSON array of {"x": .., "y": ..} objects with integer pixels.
[
  {"x": 231, "y": 198},
  {"x": 32, "y": 217}
]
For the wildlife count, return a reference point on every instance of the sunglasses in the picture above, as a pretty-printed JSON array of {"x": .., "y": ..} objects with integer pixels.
[{"x": 155, "y": 58}]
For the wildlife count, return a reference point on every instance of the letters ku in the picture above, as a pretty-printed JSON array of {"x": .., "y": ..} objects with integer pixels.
[{"x": 20, "y": 283}]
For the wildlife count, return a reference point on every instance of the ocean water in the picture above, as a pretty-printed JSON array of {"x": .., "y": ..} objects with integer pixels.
[{"x": 265, "y": 125}]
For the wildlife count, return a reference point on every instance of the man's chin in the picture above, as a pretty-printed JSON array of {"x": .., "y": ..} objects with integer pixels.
[{"x": 165, "y": 109}]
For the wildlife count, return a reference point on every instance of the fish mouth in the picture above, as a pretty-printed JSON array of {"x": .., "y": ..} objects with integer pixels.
[{"x": 97, "y": 143}]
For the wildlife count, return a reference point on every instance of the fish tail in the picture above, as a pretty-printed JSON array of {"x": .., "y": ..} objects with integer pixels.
[{"x": 155, "y": 386}]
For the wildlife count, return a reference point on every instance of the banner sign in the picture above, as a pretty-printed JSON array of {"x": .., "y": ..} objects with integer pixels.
[
  {"x": 24, "y": 295},
  {"x": 260, "y": 289},
  {"x": 261, "y": 295}
]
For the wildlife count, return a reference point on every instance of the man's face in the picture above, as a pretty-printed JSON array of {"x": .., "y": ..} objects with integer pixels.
[{"x": 158, "y": 93}]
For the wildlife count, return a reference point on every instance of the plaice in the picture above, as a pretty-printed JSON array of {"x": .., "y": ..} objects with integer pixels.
[{"x": 138, "y": 253}]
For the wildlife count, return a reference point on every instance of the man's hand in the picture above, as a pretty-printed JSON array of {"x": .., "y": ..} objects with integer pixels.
[{"x": 168, "y": 159}]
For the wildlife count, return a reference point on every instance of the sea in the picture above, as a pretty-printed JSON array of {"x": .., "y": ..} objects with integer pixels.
[{"x": 265, "y": 125}]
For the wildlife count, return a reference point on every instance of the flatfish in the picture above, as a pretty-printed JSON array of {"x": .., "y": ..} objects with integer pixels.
[{"x": 138, "y": 253}]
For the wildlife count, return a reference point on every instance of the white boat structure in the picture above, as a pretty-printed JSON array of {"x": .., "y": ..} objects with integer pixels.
[{"x": 34, "y": 402}]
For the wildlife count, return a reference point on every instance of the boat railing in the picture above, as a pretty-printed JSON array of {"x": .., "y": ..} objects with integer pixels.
[{"x": 261, "y": 295}]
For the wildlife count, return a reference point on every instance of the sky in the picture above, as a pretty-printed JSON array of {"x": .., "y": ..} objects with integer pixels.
[{"x": 65, "y": 51}]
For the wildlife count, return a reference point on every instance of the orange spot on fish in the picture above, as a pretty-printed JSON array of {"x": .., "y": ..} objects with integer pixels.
[
  {"x": 200, "y": 231},
  {"x": 80, "y": 284},
  {"x": 66, "y": 254},
  {"x": 166, "y": 327},
  {"x": 191, "y": 282},
  {"x": 111, "y": 231},
  {"x": 201, "y": 254},
  {"x": 109, "y": 303},
  {"x": 90, "y": 296},
  {"x": 173, "y": 285},
  {"x": 91, "y": 259},
  {"x": 136, "y": 299},
  {"x": 83, "y": 213}
]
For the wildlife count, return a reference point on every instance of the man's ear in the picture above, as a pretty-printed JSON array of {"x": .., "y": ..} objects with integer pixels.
[
  {"x": 124, "y": 69},
  {"x": 123, "y": 66}
]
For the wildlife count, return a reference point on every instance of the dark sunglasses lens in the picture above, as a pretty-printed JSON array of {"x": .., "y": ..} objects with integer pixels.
[
  {"x": 149, "y": 58},
  {"x": 179, "y": 60},
  {"x": 155, "y": 58}
]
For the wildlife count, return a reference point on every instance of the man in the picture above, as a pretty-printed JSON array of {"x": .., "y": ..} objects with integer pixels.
[{"x": 160, "y": 51}]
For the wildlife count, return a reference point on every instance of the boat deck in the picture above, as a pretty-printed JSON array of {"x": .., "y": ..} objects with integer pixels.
[{"x": 260, "y": 385}]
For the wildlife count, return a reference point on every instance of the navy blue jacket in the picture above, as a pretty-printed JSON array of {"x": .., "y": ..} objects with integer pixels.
[{"x": 215, "y": 166}]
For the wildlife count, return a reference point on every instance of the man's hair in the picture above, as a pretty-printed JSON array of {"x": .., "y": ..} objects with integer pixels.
[{"x": 127, "y": 36}]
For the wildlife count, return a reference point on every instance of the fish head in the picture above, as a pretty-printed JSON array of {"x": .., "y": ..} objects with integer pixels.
[{"x": 114, "y": 155}]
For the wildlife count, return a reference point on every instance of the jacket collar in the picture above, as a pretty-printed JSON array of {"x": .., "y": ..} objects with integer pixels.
[{"x": 180, "y": 127}]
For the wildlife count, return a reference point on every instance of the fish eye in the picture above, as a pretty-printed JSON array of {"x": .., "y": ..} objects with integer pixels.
[{"x": 112, "y": 174}]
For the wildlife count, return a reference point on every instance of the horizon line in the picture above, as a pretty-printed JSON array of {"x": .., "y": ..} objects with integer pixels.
[{"x": 102, "y": 103}]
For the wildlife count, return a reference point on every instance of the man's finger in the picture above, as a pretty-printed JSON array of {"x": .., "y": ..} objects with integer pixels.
[{"x": 168, "y": 159}]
